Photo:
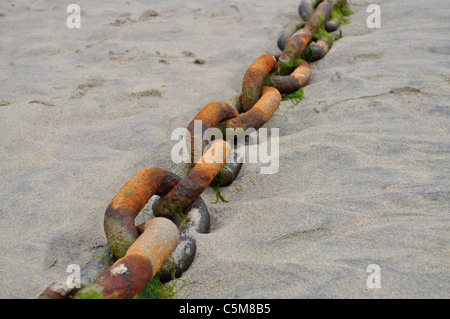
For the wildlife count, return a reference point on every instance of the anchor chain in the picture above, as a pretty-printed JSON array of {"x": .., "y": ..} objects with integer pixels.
[{"x": 166, "y": 244}]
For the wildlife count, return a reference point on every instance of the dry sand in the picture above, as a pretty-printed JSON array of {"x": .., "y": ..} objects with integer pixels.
[{"x": 364, "y": 158}]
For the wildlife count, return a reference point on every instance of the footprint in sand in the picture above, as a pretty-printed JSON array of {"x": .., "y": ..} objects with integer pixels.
[
  {"x": 46, "y": 103},
  {"x": 85, "y": 87},
  {"x": 125, "y": 18},
  {"x": 146, "y": 93},
  {"x": 364, "y": 57}
]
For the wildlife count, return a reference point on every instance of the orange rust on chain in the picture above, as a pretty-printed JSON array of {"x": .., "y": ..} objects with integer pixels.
[
  {"x": 195, "y": 182},
  {"x": 320, "y": 49},
  {"x": 321, "y": 15},
  {"x": 293, "y": 50},
  {"x": 317, "y": 50},
  {"x": 211, "y": 115},
  {"x": 53, "y": 293},
  {"x": 254, "y": 78},
  {"x": 306, "y": 8},
  {"x": 129, "y": 275},
  {"x": 288, "y": 30},
  {"x": 140, "y": 258},
  {"x": 301, "y": 39},
  {"x": 258, "y": 115},
  {"x": 288, "y": 84},
  {"x": 119, "y": 224}
]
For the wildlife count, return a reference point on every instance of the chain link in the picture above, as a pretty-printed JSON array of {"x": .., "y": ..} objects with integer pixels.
[{"x": 180, "y": 213}]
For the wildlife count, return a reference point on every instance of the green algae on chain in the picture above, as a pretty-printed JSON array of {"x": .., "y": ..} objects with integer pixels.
[
  {"x": 218, "y": 180},
  {"x": 195, "y": 182},
  {"x": 295, "y": 99},
  {"x": 215, "y": 184},
  {"x": 130, "y": 274},
  {"x": 156, "y": 289},
  {"x": 185, "y": 169},
  {"x": 291, "y": 55},
  {"x": 120, "y": 214},
  {"x": 287, "y": 31},
  {"x": 314, "y": 29},
  {"x": 218, "y": 195},
  {"x": 252, "y": 82},
  {"x": 338, "y": 16},
  {"x": 320, "y": 32},
  {"x": 317, "y": 50},
  {"x": 287, "y": 84},
  {"x": 197, "y": 221}
]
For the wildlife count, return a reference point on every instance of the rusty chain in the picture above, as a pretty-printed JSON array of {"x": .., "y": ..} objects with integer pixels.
[{"x": 166, "y": 244}]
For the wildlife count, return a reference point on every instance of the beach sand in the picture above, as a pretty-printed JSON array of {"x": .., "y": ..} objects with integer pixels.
[{"x": 364, "y": 158}]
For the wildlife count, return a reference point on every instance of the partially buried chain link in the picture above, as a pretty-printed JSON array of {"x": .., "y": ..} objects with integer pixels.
[{"x": 166, "y": 244}]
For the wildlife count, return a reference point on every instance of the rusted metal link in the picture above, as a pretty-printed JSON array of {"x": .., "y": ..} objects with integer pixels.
[
  {"x": 229, "y": 172},
  {"x": 258, "y": 115},
  {"x": 236, "y": 103},
  {"x": 129, "y": 275},
  {"x": 196, "y": 221},
  {"x": 254, "y": 78},
  {"x": 332, "y": 25},
  {"x": 293, "y": 50},
  {"x": 211, "y": 115},
  {"x": 288, "y": 30},
  {"x": 306, "y": 8},
  {"x": 143, "y": 251},
  {"x": 119, "y": 219},
  {"x": 321, "y": 15},
  {"x": 340, "y": 10},
  {"x": 301, "y": 39},
  {"x": 88, "y": 273},
  {"x": 195, "y": 182},
  {"x": 288, "y": 84},
  {"x": 316, "y": 50}
]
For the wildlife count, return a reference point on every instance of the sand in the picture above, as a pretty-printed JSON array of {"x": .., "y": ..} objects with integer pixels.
[{"x": 364, "y": 158}]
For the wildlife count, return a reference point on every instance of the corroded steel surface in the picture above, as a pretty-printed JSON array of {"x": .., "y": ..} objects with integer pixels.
[
  {"x": 129, "y": 275},
  {"x": 259, "y": 114},
  {"x": 301, "y": 39},
  {"x": 254, "y": 78},
  {"x": 306, "y": 8},
  {"x": 211, "y": 115},
  {"x": 288, "y": 84},
  {"x": 287, "y": 31},
  {"x": 195, "y": 182},
  {"x": 119, "y": 224},
  {"x": 144, "y": 250}
]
